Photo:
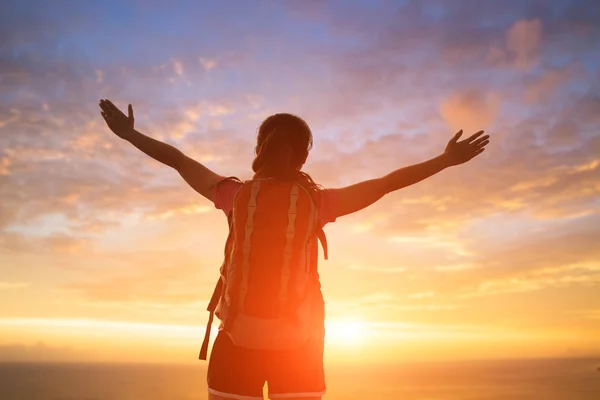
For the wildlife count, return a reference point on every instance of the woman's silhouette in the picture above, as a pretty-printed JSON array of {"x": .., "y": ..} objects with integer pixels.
[{"x": 248, "y": 351}]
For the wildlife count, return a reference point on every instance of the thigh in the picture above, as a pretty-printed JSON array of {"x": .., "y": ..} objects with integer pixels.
[
  {"x": 234, "y": 372},
  {"x": 297, "y": 374}
]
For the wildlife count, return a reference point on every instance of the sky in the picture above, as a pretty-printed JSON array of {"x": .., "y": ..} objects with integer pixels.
[{"x": 107, "y": 255}]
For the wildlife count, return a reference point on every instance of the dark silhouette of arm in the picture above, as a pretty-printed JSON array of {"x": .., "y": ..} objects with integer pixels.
[
  {"x": 200, "y": 178},
  {"x": 355, "y": 197}
]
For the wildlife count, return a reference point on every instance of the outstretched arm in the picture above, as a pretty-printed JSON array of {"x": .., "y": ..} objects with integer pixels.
[
  {"x": 195, "y": 174},
  {"x": 358, "y": 196}
]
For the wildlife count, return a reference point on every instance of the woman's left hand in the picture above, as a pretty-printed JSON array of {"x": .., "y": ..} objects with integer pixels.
[{"x": 460, "y": 152}]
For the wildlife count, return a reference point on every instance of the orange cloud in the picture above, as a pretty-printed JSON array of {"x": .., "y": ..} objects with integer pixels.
[
  {"x": 586, "y": 274},
  {"x": 208, "y": 63},
  {"x": 13, "y": 285},
  {"x": 50, "y": 245},
  {"x": 5, "y": 163},
  {"x": 470, "y": 110},
  {"x": 523, "y": 40},
  {"x": 421, "y": 295}
]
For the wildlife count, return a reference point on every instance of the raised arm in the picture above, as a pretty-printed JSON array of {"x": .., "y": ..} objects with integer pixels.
[
  {"x": 195, "y": 174},
  {"x": 360, "y": 195}
]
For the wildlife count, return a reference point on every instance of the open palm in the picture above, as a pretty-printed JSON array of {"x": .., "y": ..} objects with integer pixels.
[
  {"x": 465, "y": 150},
  {"x": 118, "y": 122}
]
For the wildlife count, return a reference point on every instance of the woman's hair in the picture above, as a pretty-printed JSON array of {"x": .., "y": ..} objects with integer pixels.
[{"x": 282, "y": 146}]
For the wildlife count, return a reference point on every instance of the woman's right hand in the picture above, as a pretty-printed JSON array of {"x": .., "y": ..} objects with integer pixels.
[{"x": 119, "y": 123}]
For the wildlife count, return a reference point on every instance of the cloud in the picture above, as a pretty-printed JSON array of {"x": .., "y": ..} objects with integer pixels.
[
  {"x": 194, "y": 209},
  {"x": 51, "y": 244},
  {"x": 179, "y": 278},
  {"x": 133, "y": 290},
  {"x": 542, "y": 88},
  {"x": 592, "y": 314},
  {"x": 99, "y": 76},
  {"x": 542, "y": 183},
  {"x": 470, "y": 110},
  {"x": 562, "y": 257},
  {"x": 455, "y": 267},
  {"x": 541, "y": 278},
  {"x": 381, "y": 306},
  {"x": 421, "y": 295},
  {"x": 13, "y": 285},
  {"x": 523, "y": 41},
  {"x": 177, "y": 67},
  {"x": 376, "y": 269},
  {"x": 208, "y": 64},
  {"x": 13, "y": 116},
  {"x": 92, "y": 175},
  {"x": 431, "y": 242}
]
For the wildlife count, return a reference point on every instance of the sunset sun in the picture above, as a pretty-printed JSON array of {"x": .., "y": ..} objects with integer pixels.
[{"x": 348, "y": 332}]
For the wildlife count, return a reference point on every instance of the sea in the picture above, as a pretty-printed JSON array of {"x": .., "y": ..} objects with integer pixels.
[{"x": 547, "y": 379}]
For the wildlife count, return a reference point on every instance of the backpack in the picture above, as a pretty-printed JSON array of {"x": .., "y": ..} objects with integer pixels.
[{"x": 268, "y": 294}]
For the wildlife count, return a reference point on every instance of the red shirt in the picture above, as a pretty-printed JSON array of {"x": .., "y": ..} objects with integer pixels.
[{"x": 224, "y": 193}]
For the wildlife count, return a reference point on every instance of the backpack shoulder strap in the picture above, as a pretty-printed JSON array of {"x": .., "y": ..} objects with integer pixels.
[
  {"x": 320, "y": 232},
  {"x": 212, "y": 305},
  {"x": 323, "y": 239},
  {"x": 229, "y": 178}
]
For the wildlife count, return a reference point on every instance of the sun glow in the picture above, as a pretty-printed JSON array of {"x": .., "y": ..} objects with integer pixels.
[{"x": 345, "y": 332}]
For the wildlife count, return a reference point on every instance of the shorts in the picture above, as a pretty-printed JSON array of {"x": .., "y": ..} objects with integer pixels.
[{"x": 240, "y": 373}]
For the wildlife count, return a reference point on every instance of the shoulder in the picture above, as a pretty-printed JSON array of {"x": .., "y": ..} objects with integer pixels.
[
  {"x": 328, "y": 199},
  {"x": 224, "y": 191}
]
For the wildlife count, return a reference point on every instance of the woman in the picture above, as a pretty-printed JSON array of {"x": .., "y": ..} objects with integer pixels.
[{"x": 283, "y": 143}]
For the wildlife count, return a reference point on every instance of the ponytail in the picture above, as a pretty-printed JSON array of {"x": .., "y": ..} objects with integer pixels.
[{"x": 275, "y": 157}]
